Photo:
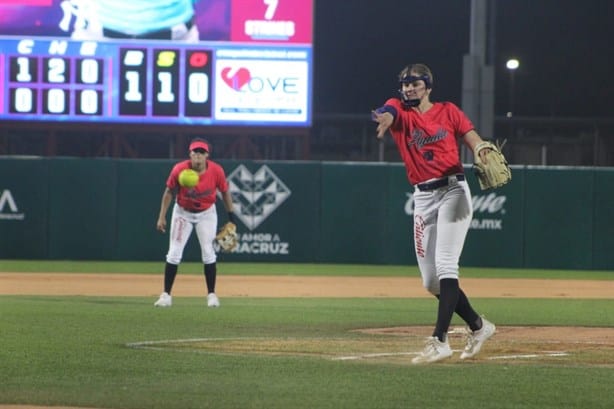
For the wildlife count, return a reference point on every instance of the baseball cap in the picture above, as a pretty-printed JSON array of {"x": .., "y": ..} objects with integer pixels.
[{"x": 199, "y": 144}]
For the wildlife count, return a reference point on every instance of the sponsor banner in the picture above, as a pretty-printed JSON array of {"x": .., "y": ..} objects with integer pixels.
[
  {"x": 261, "y": 90},
  {"x": 488, "y": 210},
  {"x": 256, "y": 195},
  {"x": 24, "y": 207},
  {"x": 277, "y": 210},
  {"x": 8, "y": 207}
]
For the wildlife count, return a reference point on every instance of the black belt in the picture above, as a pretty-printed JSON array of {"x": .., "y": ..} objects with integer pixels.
[
  {"x": 194, "y": 210},
  {"x": 166, "y": 34},
  {"x": 436, "y": 184}
]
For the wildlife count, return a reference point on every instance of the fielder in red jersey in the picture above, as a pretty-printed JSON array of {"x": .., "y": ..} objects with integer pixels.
[
  {"x": 204, "y": 194},
  {"x": 194, "y": 209},
  {"x": 426, "y": 134}
]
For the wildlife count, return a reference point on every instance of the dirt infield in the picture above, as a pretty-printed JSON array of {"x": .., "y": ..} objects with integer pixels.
[
  {"x": 290, "y": 286},
  {"x": 512, "y": 344}
]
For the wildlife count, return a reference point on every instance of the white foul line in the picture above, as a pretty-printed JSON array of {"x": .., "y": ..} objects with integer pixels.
[
  {"x": 378, "y": 355},
  {"x": 522, "y": 356}
]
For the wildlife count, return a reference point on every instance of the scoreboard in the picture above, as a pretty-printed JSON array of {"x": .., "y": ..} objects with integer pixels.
[
  {"x": 62, "y": 80},
  {"x": 259, "y": 80}
]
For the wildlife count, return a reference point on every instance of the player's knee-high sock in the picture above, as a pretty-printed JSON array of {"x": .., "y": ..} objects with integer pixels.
[
  {"x": 210, "y": 276},
  {"x": 448, "y": 298},
  {"x": 467, "y": 313},
  {"x": 170, "y": 272}
]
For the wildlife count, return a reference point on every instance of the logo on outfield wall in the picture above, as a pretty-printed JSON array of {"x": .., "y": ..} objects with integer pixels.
[
  {"x": 8, "y": 207},
  {"x": 256, "y": 195},
  {"x": 488, "y": 211}
]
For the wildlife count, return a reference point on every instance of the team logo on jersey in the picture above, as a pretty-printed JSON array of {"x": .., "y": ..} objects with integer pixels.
[
  {"x": 8, "y": 207},
  {"x": 421, "y": 138},
  {"x": 256, "y": 195}
]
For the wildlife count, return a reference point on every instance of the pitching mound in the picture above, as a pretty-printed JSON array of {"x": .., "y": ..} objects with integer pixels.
[
  {"x": 579, "y": 345},
  {"x": 556, "y": 345}
]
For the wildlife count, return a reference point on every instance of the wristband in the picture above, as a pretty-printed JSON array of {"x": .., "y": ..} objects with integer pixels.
[{"x": 231, "y": 217}]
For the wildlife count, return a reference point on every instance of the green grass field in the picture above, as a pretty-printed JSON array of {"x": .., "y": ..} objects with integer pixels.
[{"x": 82, "y": 351}]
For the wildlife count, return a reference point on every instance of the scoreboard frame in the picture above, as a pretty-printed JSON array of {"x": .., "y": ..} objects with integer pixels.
[
  {"x": 59, "y": 80},
  {"x": 253, "y": 70}
]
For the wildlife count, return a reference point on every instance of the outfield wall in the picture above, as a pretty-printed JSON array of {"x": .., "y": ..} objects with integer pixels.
[{"x": 106, "y": 209}]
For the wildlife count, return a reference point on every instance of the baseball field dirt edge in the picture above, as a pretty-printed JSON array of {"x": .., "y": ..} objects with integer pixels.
[{"x": 290, "y": 286}]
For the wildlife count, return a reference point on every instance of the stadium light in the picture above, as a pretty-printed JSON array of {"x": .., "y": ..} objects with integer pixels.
[{"x": 512, "y": 65}]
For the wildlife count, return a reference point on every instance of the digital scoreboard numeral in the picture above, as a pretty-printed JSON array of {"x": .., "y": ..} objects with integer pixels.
[
  {"x": 78, "y": 80},
  {"x": 56, "y": 70},
  {"x": 23, "y": 100},
  {"x": 166, "y": 83},
  {"x": 133, "y": 82},
  {"x": 56, "y": 91},
  {"x": 56, "y": 101},
  {"x": 197, "y": 83},
  {"x": 88, "y": 102},
  {"x": 89, "y": 71},
  {"x": 23, "y": 69}
]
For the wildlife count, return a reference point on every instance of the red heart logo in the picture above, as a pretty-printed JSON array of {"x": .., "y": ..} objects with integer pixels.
[{"x": 238, "y": 80}]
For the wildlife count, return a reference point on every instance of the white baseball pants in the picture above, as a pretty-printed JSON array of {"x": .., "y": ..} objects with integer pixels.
[
  {"x": 441, "y": 222},
  {"x": 182, "y": 224}
]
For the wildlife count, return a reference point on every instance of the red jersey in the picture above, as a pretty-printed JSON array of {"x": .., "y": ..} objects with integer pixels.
[
  {"x": 203, "y": 195},
  {"x": 427, "y": 141}
]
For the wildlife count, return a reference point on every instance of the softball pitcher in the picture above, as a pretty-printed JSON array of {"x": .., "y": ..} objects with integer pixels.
[
  {"x": 193, "y": 209},
  {"x": 426, "y": 136}
]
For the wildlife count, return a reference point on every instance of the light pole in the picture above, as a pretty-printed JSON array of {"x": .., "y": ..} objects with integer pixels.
[{"x": 512, "y": 64}]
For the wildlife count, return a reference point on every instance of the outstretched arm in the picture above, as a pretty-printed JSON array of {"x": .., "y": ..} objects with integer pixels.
[{"x": 384, "y": 122}]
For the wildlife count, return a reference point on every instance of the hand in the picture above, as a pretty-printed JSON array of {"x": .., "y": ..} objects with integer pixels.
[
  {"x": 484, "y": 155},
  {"x": 384, "y": 121},
  {"x": 161, "y": 225}
]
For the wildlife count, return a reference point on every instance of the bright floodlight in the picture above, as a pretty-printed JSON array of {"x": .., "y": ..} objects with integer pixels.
[{"x": 512, "y": 64}]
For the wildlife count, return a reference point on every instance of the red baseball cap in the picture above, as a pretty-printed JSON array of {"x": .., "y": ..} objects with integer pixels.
[{"x": 199, "y": 144}]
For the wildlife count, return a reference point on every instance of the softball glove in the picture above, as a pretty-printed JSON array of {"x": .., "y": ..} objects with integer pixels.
[
  {"x": 227, "y": 238},
  {"x": 494, "y": 172}
]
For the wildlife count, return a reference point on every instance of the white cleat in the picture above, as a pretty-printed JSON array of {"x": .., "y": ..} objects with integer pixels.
[
  {"x": 434, "y": 351},
  {"x": 165, "y": 300},
  {"x": 475, "y": 339},
  {"x": 212, "y": 300}
]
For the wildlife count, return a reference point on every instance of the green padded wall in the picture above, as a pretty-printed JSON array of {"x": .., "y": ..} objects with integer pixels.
[
  {"x": 558, "y": 220},
  {"x": 106, "y": 209},
  {"x": 603, "y": 219},
  {"x": 24, "y": 198},
  {"x": 82, "y": 209}
]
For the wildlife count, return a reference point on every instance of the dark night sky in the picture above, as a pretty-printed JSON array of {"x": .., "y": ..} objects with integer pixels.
[{"x": 565, "y": 48}]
